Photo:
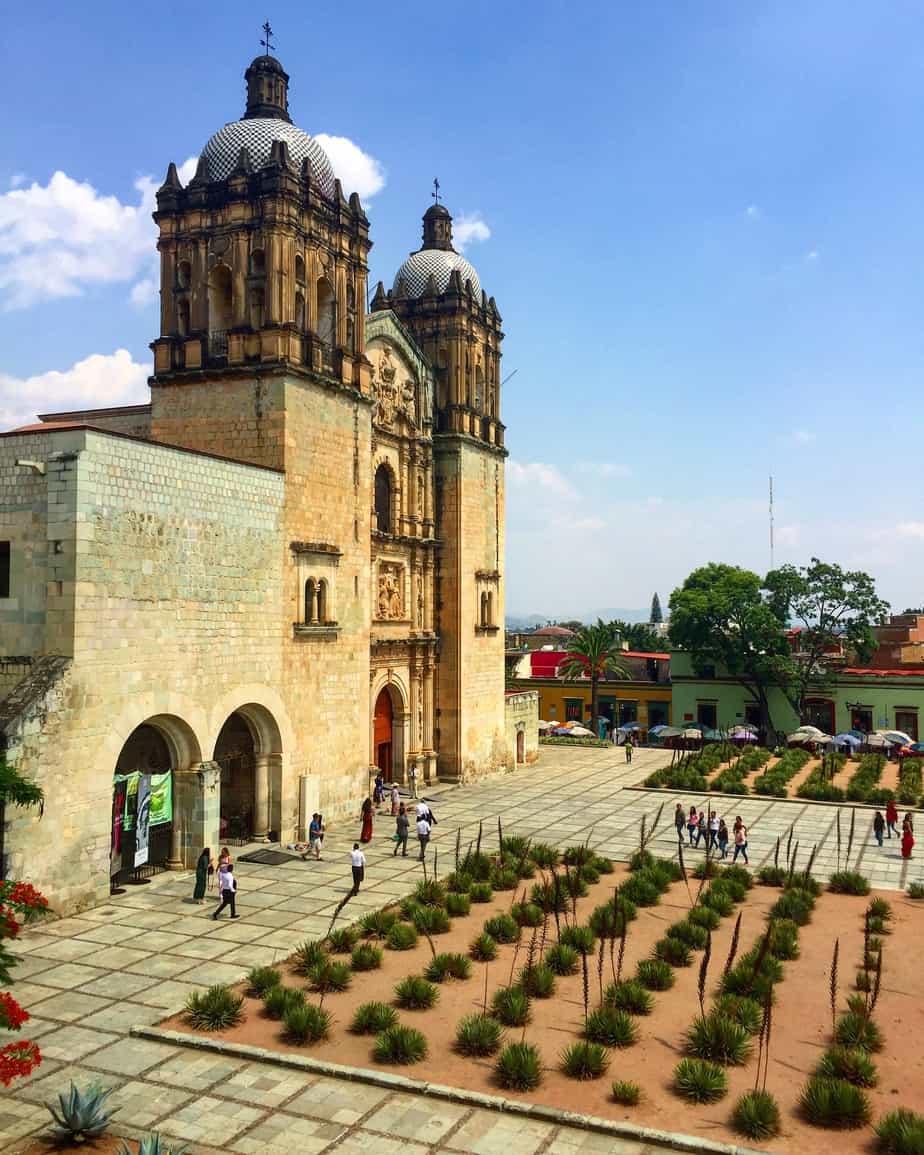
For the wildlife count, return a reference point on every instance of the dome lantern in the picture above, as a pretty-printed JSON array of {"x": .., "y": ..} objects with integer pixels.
[{"x": 267, "y": 90}]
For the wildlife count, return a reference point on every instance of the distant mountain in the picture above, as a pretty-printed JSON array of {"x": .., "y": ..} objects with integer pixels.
[{"x": 528, "y": 621}]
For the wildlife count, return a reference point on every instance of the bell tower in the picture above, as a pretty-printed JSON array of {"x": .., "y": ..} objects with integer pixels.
[{"x": 438, "y": 296}]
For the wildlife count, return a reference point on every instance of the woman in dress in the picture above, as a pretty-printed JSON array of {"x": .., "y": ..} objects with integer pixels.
[
  {"x": 395, "y": 799},
  {"x": 907, "y": 839},
  {"x": 891, "y": 818},
  {"x": 692, "y": 824},
  {"x": 202, "y": 875},
  {"x": 366, "y": 832}
]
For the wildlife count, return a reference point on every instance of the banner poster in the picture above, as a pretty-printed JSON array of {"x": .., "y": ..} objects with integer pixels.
[
  {"x": 143, "y": 819},
  {"x": 118, "y": 812},
  {"x": 161, "y": 798}
]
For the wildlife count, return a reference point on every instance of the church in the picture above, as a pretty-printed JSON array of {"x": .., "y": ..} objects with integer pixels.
[{"x": 231, "y": 607}]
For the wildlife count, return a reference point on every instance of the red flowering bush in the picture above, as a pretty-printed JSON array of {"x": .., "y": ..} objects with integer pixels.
[
  {"x": 20, "y": 903},
  {"x": 18, "y": 1060},
  {"x": 12, "y": 1015}
]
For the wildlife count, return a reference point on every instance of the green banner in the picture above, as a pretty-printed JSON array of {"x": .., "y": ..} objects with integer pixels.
[{"x": 161, "y": 798}]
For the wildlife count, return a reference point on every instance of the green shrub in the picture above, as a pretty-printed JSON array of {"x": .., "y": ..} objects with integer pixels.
[
  {"x": 511, "y": 1006},
  {"x": 720, "y": 1039},
  {"x": 739, "y": 874},
  {"x": 551, "y": 896},
  {"x": 514, "y": 844},
  {"x": 916, "y": 891},
  {"x": 673, "y": 951},
  {"x": 584, "y": 1060},
  {"x": 579, "y": 938},
  {"x": 477, "y": 865},
  {"x": 641, "y": 860},
  {"x": 629, "y": 995},
  {"x": 519, "y": 1067},
  {"x": 402, "y": 936},
  {"x": 306, "y": 1023},
  {"x": 640, "y": 890},
  {"x": 609, "y": 921},
  {"x": 856, "y": 1030},
  {"x": 736, "y": 890},
  {"x": 398, "y": 1044},
  {"x": 578, "y": 855},
  {"x": 215, "y": 1009},
  {"x": 784, "y": 942},
  {"x": 700, "y": 1081},
  {"x": 373, "y": 1018},
  {"x": 603, "y": 865},
  {"x": 562, "y": 959},
  {"x": 330, "y": 976},
  {"x": 708, "y": 868},
  {"x": 655, "y": 974},
  {"x": 431, "y": 920},
  {"x": 689, "y": 934},
  {"x": 527, "y": 914},
  {"x": 79, "y": 1115},
  {"x": 343, "y": 940},
  {"x": 459, "y": 882},
  {"x": 878, "y": 925},
  {"x": 504, "y": 878},
  {"x": 719, "y": 901},
  {"x": 308, "y": 956},
  {"x": 377, "y": 923},
  {"x": 483, "y": 948},
  {"x": 743, "y": 979},
  {"x": 544, "y": 856},
  {"x": 415, "y": 993},
  {"x": 612, "y": 1027},
  {"x": 589, "y": 873},
  {"x": 864, "y": 981},
  {"x": 705, "y": 917},
  {"x": 901, "y": 1132},
  {"x": 664, "y": 872},
  {"x": 742, "y": 1010},
  {"x": 430, "y": 892},
  {"x": 538, "y": 981},
  {"x": 772, "y": 875},
  {"x": 366, "y": 957},
  {"x": 756, "y": 1115},
  {"x": 502, "y": 928},
  {"x": 277, "y": 1000},
  {"x": 625, "y": 1093},
  {"x": 848, "y": 882},
  {"x": 856, "y": 1004},
  {"x": 806, "y": 882},
  {"x": 880, "y": 908},
  {"x": 834, "y": 1104},
  {"x": 448, "y": 966},
  {"x": 478, "y": 1035},
  {"x": 458, "y": 905},
  {"x": 795, "y": 905},
  {"x": 851, "y": 1064},
  {"x": 481, "y": 892},
  {"x": 261, "y": 979}
]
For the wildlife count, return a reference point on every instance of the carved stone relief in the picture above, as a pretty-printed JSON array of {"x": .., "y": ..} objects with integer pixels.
[
  {"x": 395, "y": 392},
  {"x": 390, "y": 596}
]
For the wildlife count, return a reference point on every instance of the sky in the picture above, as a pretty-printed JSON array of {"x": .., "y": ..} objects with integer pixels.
[{"x": 702, "y": 225}]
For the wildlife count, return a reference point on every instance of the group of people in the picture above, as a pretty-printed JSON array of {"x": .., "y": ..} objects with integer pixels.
[
  {"x": 886, "y": 827},
  {"x": 711, "y": 830},
  {"x": 226, "y": 882},
  {"x": 425, "y": 818}
]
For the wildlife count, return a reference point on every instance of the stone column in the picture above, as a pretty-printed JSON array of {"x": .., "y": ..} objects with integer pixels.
[
  {"x": 239, "y": 282},
  {"x": 261, "y": 799},
  {"x": 196, "y": 812},
  {"x": 428, "y": 708}
]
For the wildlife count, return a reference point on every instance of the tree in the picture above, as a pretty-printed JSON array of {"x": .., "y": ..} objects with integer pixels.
[
  {"x": 593, "y": 653},
  {"x": 721, "y": 618},
  {"x": 656, "y": 617},
  {"x": 832, "y": 608},
  {"x": 638, "y": 636}
]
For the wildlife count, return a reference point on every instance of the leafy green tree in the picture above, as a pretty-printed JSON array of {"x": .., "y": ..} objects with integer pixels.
[
  {"x": 831, "y": 607},
  {"x": 638, "y": 636},
  {"x": 721, "y": 618},
  {"x": 593, "y": 652},
  {"x": 656, "y": 617}
]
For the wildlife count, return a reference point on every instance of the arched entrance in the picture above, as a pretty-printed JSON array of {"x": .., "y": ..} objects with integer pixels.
[
  {"x": 383, "y": 733},
  {"x": 521, "y": 747},
  {"x": 236, "y": 755}
]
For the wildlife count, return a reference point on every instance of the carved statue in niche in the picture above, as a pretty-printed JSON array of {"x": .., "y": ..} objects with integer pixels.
[
  {"x": 390, "y": 600},
  {"x": 391, "y": 398}
]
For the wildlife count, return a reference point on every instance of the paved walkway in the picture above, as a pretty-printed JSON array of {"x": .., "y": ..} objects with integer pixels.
[{"x": 87, "y": 980}]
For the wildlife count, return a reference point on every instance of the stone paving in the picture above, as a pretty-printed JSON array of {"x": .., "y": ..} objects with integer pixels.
[{"x": 88, "y": 979}]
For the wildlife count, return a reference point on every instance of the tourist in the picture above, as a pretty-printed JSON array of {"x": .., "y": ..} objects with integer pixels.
[
  {"x": 203, "y": 866},
  {"x": 628, "y": 745},
  {"x": 891, "y": 818},
  {"x": 713, "y": 830},
  {"x": 395, "y": 799},
  {"x": 879, "y": 826},
  {"x": 741, "y": 841},
  {"x": 378, "y": 790},
  {"x": 702, "y": 830},
  {"x": 412, "y": 778},
  {"x": 680, "y": 820},
  {"x": 402, "y": 826},
  {"x": 907, "y": 838},
  {"x": 365, "y": 834},
  {"x": 358, "y": 863},
  {"x": 909, "y": 820},
  {"x": 722, "y": 838},
  {"x": 314, "y": 838},
  {"x": 423, "y": 834},
  {"x": 227, "y": 888},
  {"x": 692, "y": 824}
]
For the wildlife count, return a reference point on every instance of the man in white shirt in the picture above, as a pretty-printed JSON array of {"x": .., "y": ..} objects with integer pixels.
[
  {"x": 423, "y": 833},
  {"x": 358, "y": 860}
]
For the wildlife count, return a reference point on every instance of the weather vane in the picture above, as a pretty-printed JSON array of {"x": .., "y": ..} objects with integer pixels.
[
  {"x": 436, "y": 190},
  {"x": 267, "y": 43}
]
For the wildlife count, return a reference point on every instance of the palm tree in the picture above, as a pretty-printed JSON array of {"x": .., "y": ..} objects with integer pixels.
[{"x": 593, "y": 653}]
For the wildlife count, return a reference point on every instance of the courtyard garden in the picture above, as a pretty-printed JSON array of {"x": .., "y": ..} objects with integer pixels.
[{"x": 692, "y": 999}]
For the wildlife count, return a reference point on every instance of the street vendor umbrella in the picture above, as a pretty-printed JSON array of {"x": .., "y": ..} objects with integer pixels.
[
  {"x": 896, "y": 737},
  {"x": 847, "y": 739},
  {"x": 580, "y": 732},
  {"x": 876, "y": 742},
  {"x": 749, "y": 726},
  {"x": 660, "y": 728},
  {"x": 739, "y": 735},
  {"x": 917, "y": 747},
  {"x": 690, "y": 732},
  {"x": 627, "y": 727}
]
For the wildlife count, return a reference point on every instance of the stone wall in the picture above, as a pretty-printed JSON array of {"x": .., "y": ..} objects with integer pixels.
[
  {"x": 23, "y": 523},
  {"x": 521, "y": 712},
  {"x": 132, "y": 420}
]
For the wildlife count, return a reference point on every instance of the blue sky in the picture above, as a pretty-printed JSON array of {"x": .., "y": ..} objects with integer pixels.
[{"x": 705, "y": 241}]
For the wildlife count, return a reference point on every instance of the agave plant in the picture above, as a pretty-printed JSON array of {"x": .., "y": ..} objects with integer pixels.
[
  {"x": 80, "y": 1115},
  {"x": 153, "y": 1145}
]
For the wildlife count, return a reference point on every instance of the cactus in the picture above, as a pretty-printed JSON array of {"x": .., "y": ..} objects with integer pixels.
[
  {"x": 152, "y": 1145},
  {"x": 80, "y": 1115}
]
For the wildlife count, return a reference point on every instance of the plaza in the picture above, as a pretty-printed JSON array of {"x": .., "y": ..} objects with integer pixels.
[{"x": 87, "y": 980}]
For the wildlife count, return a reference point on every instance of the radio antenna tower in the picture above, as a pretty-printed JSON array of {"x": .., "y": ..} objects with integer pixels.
[{"x": 771, "y": 521}]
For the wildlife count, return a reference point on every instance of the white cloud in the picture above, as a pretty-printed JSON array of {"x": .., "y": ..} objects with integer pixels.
[
  {"x": 752, "y": 211},
  {"x": 812, "y": 255},
  {"x": 467, "y": 228},
  {"x": 604, "y": 468},
  {"x": 910, "y": 529},
  {"x": 357, "y": 170},
  {"x": 95, "y": 382},
  {"x": 588, "y": 523},
  {"x": 802, "y": 437},
  {"x": 537, "y": 473}
]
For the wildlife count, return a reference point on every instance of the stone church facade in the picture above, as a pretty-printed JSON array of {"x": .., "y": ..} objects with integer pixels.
[{"x": 287, "y": 570}]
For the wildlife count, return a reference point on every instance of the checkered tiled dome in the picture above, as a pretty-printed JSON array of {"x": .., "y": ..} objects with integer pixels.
[
  {"x": 257, "y": 134},
  {"x": 440, "y": 262}
]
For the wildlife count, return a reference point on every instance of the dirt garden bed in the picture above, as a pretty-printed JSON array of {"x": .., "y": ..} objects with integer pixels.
[{"x": 801, "y": 1020}]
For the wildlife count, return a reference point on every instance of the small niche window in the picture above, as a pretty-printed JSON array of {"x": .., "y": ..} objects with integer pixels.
[
  {"x": 299, "y": 268},
  {"x": 4, "y": 569},
  {"x": 257, "y": 263},
  {"x": 183, "y": 275},
  {"x": 182, "y": 317},
  {"x": 383, "y": 496},
  {"x": 316, "y": 609}
]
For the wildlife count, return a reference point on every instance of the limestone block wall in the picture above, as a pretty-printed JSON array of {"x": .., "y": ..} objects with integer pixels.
[
  {"x": 133, "y": 420},
  {"x": 23, "y": 523},
  {"x": 177, "y": 580},
  {"x": 521, "y": 711},
  {"x": 470, "y": 675}
]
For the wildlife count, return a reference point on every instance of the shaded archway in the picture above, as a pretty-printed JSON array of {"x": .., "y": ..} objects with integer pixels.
[
  {"x": 248, "y": 753},
  {"x": 521, "y": 747}
]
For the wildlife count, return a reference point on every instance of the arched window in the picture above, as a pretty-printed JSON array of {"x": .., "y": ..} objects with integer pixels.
[
  {"x": 182, "y": 316},
  {"x": 490, "y": 621},
  {"x": 257, "y": 308},
  {"x": 299, "y": 269},
  {"x": 257, "y": 263},
  {"x": 479, "y": 387},
  {"x": 327, "y": 313},
  {"x": 311, "y": 601},
  {"x": 219, "y": 309},
  {"x": 322, "y": 601},
  {"x": 183, "y": 275},
  {"x": 484, "y": 609},
  {"x": 300, "y": 310},
  {"x": 383, "y": 496}
]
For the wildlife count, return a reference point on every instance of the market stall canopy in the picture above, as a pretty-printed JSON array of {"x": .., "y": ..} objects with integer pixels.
[
  {"x": 580, "y": 732},
  {"x": 847, "y": 739},
  {"x": 896, "y": 737}
]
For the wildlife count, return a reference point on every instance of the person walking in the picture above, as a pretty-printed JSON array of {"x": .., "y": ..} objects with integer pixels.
[
  {"x": 378, "y": 790},
  {"x": 365, "y": 834},
  {"x": 423, "y": 834},
  {"x": 680, "y": 820},
  {"x": 722, "y": 839},
  {"x": 395, "y": 799},
  {"x": 692, "y": 825},
  {"x": 907, "y": 838},
  {"x": 741, "y": 842},
  {"x": 879, "y": 826},
  {"x": 891, "y": 818},
  {"x": 358, "y": 865},
  {"x": 628, "y": 747},
  {"x": 702, "y": 830},
  {"x": 314, "y": 838},
  {"x": 412, "y": 779},
  {"x": 203, "y": 864},
  {"x": 227, "y": 888},
  {"x": 713, "y": 830},
  {"x": 402, "y": 826}
]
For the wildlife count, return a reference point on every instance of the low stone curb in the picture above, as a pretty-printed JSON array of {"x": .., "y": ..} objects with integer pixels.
[{"x": 664, "y": 1139}]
